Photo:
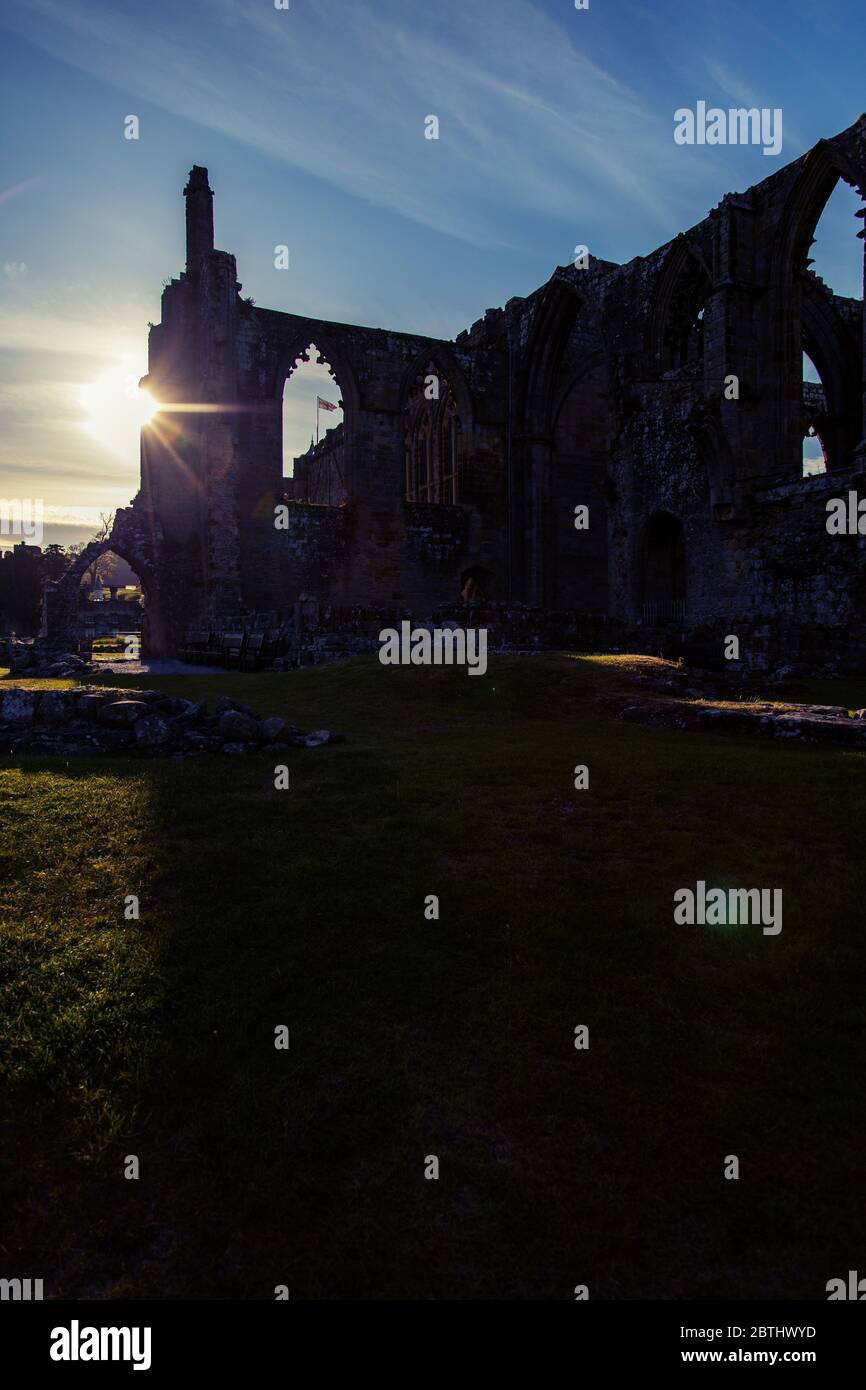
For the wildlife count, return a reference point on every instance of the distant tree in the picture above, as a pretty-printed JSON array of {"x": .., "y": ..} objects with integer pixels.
[
  {"x": 110, "y": 569},
  {"x": 21, "y": 573},
  {"x": 54, "y": 561},
  {"x": 93, "y": 575}
]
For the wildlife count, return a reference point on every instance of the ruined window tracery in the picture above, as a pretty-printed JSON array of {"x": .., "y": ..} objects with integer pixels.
[
  {"x": 681, "y": 304},
  {"x": 814, "y": 420},
  {"x": 316, "y": 472},
  {"x": 829, "y": 329},
  {"x": 432, "y": 438},
  {"x": 684, "y": 335}
]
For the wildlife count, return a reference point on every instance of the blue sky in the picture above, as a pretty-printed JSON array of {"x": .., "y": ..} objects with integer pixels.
[{"x": 556, "y": 128}]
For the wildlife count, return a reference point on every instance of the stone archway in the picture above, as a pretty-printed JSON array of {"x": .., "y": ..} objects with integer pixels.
[
  {"x": 796, "y": 309},
  {"x": 128, "y": 539}
]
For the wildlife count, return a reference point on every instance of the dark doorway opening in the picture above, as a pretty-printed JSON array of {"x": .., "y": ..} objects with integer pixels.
[
  {"x": 664, "y": 570},
  {"x": 476, "y": 583}
]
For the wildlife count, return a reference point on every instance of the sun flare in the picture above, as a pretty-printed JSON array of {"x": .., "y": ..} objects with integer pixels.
[{"x": 116, "y": 407}]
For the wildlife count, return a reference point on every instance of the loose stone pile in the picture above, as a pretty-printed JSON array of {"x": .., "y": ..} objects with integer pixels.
[
  {"x": 32, "y": 660},
  {"x": 98, "y": 719}
]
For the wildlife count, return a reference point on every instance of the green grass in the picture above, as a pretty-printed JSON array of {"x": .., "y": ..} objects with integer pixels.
[{"x": 451, "y": 1037}]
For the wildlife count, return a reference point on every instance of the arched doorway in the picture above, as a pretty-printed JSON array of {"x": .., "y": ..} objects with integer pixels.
[
  {"x": 61, "y": 598},
  {"x": 111, "y": 610},
  {"x": 663, "y": 570}
]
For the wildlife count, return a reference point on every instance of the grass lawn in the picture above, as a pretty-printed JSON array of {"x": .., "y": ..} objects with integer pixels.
[{"x": 453, "y": 1037}]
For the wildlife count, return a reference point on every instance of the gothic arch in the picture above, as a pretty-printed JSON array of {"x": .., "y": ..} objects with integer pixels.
[
  {"x": 538, "y": 398},
  {"x": 437, "y": 435},
  {"x": 577, "y": 568},
  {"x": 705, "y": 427},
  {"x": 444, "y": 360},
  {"x": 555, "y": 317},
  {"x": 60, "y": 597},
  {"x": 821, "y": 170},
  {"x": 296, "y": 345},
  {"x": 835, "y": 351},
  {"x": 682, "y": 287},
  {"x": 592, "y": 361},
  {"x": 292, "y": 348}
]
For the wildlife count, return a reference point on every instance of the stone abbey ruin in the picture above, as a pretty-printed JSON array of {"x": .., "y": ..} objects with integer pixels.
[{"x": 609, "y": 388}]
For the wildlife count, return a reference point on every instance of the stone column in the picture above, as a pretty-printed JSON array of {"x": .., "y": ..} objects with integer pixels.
[
  {"x": 199, "y": 218},
  {"x": 860, "y": 451},
  {"x": 538, "y": 552}
]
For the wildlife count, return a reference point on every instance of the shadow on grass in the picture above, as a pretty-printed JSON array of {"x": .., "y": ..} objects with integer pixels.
[{"x": 452, "y": 1037}]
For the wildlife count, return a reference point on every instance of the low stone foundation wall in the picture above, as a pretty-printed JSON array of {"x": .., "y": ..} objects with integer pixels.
[
  {"x": 97, "y": 719},
  {"x": 320, "y": 632},
  {"x": 804, "y": 723},
  {"x": 327, "y": 633}
]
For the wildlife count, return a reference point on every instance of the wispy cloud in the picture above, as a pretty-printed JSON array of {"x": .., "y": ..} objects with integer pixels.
[
  {"x": 730, "y": 84},
  {"x": 38, "y": 328},
  {"x": 49, "y": 355},
  {"x": 7, "y": 194},
  {"x": 341, "y": 91}
]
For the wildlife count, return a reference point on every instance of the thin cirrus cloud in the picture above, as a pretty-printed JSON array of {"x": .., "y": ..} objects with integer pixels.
[
  {"x": 341, "y": 91},
  {"x": 555, "y": 129},
  {"x": 7, "y": 194}
]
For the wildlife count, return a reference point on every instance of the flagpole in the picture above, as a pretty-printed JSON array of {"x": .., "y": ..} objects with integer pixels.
[{"x": 317, "y": 419}]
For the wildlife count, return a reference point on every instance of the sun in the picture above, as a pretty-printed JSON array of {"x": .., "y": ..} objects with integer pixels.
[{"x": 116, "y": 408}]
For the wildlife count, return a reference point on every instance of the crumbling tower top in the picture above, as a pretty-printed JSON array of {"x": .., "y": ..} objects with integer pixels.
[{"x": 199, "y": 218}]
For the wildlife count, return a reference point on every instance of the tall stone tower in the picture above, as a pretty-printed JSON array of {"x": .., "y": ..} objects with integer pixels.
[
  {"x": 199, "y": 219},
  {"x": 189, "y": 451}
]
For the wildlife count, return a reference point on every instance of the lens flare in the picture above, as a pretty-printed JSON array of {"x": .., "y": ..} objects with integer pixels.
[{"x": 116, "y": 408}]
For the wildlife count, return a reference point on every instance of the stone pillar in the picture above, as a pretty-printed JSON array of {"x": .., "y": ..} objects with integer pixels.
[
  {"x": 860, "y": 451},
  {"x": 199, "y": 218},
  {"x": 538, "y": 548}
]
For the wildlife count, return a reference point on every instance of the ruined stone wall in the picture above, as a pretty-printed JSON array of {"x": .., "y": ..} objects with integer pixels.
[
  {"x": 319, "y": 474},
  {"x": 314, "y": 552},
  {"x": 759, "y": 561},
  {"x": 606, "y": 387}
]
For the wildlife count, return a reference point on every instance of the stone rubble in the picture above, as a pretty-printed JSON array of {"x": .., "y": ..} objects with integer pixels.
[
  {"x": 100, "y": 719},
  {"x": 35, "y": 661}
]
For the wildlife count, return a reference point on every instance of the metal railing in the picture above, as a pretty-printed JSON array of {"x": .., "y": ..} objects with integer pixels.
[{"x": 664, "y": 610}]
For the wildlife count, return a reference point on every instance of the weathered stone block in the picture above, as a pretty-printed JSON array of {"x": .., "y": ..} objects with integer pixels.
[
  {"x": 239, "y": 727},
  {"x": 122, "y": 712},
  {"x": 224, "y": 703},
  {"x": 19, "y": 706},
  {"x": 195, "y": 742},
  {"x": 274, "y": 729},
  {"x": 55, "y": 706},
  {"x": 90, "y": 703},
  {"x": 114, "y": 740},
  {"x": 152, "y": 731}
]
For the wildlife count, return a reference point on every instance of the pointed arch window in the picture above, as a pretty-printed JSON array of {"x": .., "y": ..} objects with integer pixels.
[
  {"x": 433, "y": 440},
  {"x": 683, "y": 299}
]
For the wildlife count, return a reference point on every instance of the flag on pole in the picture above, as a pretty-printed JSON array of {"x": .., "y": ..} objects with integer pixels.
[{"x": 325, "y": 405}]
